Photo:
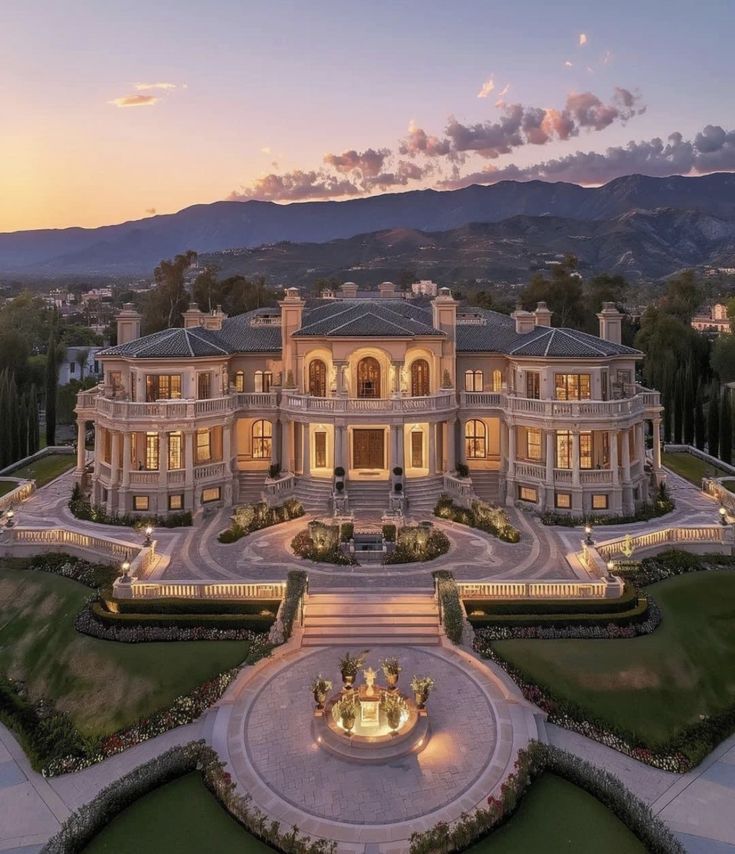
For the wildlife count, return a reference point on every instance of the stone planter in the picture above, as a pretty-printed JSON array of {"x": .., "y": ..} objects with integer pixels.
[
  {"x": 391, "y": 680},
  {"x": 320, "y": 698},
  {"x": 348, "y": 680}
]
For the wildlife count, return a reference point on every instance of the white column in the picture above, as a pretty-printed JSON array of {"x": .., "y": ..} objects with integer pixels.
[
  {"x": 189, "y": 462},
  {"x": 503, "y": 443},
  {"x": 400, "y": 455},
  {"x": 614, "y": 464},
  {"x": 227, "y": 446},
  {"x": 286, "y": 444},
  {"x": 114, "y": 457},
  {"x": 463, "y": 443},
  {"x": 340, "y": 367},
  {"x": 162, "y": 460},
  {"x": 575, "y": 457},
  {"x": 550, "y": 435},
  {"x": 98, "y": 445},
  {"x": 305, "y": 449},
  {"x": 450, "y": 438},
  {"x": 394, "y": 460},
  {"x": 127, "y": 437},
  {"x": 274, "y": 441},
  {"x": 511, "y": 450},
  {"x": 626, "y": 455},
  {"x": 656, "y": 427},
  {"x": 81, "y": 456},
  {"x": 432, "y": 448}
]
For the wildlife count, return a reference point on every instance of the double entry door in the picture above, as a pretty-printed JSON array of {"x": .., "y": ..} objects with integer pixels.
[{"x": 368, "y": 451}]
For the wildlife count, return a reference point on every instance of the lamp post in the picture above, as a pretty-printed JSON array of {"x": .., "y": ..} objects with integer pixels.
[
  {"x": 588, "y": 535},
  {"x": 722, "y": 512},
  {"x": 125, "y": 570},
  {"x": 10, "y": 519},
  {"x": 148, "y": 532},
  {"x": 610, "y": 566}
]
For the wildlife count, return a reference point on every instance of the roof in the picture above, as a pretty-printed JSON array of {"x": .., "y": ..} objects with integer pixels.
[
  {"x": 172, "y": 343},
  {"x": 489, "y": 331},
  {"x": 361, "y": 318}
]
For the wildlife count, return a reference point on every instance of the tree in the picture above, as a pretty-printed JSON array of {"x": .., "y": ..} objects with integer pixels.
[
  {"x": 722, "y": 358},
  {"x": 700, "y": 430},
  {"x": 167, "y": 300},
  {"x": 81, "y": 359},
  {"x": 678, "y": 413},
  {"x": 562, "y": 293},
  {"x": 713, "y": 420},
  {"x": 687, "y": 405},
  {"x": 52, "y": 381},
  {"x": 726, "y": 427},
  {"x": 683, "y": 296}
]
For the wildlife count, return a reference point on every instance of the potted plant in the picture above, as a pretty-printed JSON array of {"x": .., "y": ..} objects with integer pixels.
[
  {"x": 391, "y": 670},
  {"x": 274, "y": 471},
  {"x": 393, "y": 706},
  {"x": 398, "y": 471},
  {"x": 398, "y": 486},
  {"x": 421, "y": 687},
  {"x": 347, "y": 710},
  {"x": 320, "y": 687},
  {"x": 339, "y": 486},
  {"x": 349, "y": 667},
  {"x": 339, "y": 472}
]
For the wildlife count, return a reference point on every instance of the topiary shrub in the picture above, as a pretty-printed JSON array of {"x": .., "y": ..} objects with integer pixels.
[{"x": 449, "y": 605}]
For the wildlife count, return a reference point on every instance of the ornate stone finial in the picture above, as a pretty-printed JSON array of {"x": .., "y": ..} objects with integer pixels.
[{"x": 369, "y": 675}]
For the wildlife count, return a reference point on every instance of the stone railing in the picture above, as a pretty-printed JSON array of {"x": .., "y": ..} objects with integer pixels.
[
  {"x": 574, "y": 409},
  {"x": 537, "y": 472},
  {"x": 127, "y": 410},
  {"x": 459, "y": 489},
  {"x": 367, "y": 405},
  {"x": 603, "y": 588},
  {"x": 277, "y": 490},
  {"x": 140, "y": 589},
  {"x": 210, "y": 471},
  {"x": 700, "y": 536},
  {"x": 15, "y": 496},
  {"x": 534, "y": 471},
  {"x": 143, "y": 478},
  {"x": 256, "y": 400},
  {"x": 718, "y": 491}
]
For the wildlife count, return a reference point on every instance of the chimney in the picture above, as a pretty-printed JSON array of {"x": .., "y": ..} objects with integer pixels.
[
  {"x": 128, "y": 324},
  {"x": 214, "y": 319},
  {"x": 387, "y": 290},
  {"x": 525, "y": 321},
  {"x": 193, "y": 316},
  {"x": 444, "y": 312},
  {"x": 349, "y": 290},
  {"x": 542, "y": 314},
  {"x": 611, "y": 323},
  {"x": 292, "y": 312}
]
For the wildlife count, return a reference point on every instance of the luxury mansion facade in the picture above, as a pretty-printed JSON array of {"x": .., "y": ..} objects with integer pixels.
[{"x": 359, "y": 392}]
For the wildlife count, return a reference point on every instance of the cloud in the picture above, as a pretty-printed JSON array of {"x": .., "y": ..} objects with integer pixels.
[
  {"x": 487, "y": 87},
  {"x": 419, "y": 142},
  {"x": 711, "y": 150},
  {"x": 583, "y": 39},
  {"x": 504, "y": 91},
  {"x": 568, "y": 63},
  {"x": 368, "y": 163},
  {"x": 296, "y": 186},
  {"x": 266, "y": 149},
  {"x": 143, "y": 87},
  {"x": 135, "y": 101}
]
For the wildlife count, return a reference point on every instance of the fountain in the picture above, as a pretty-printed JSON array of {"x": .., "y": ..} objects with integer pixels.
[{"x": 370, "y": 723}]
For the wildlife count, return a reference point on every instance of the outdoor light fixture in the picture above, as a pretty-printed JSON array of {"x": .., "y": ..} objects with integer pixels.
[
  {"x": 723, "y": 516},
  {"x": 148, "y": 532},
  {"x": 588, "y": 534},
  {"x": 125, "y": 569},
  {"x": 10, "y": 518},
  {"x": 610, "y": 566}
]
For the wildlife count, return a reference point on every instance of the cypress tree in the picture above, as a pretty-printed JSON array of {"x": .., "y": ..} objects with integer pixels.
[
  {"x": 688, "y": 407},
  {"x": 713, "y": 420},
  {"x": 52, "y": 377},
  {"x": 700, "y": 428},
  {"x": 5, "y": 440},
  {"x": 35, "y": 442},
  {"x": 666, "y": 396},
  {"x": 13, "y": 419},
  {"x": 678, "y": 413},
  {"x": 726, "y": 427}
]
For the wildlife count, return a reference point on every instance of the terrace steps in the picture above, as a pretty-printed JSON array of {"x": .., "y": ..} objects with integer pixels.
[{"x": 486, "y": 485}]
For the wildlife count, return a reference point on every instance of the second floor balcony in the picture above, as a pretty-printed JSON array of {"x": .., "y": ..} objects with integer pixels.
[{"x": 440, "y": 402}]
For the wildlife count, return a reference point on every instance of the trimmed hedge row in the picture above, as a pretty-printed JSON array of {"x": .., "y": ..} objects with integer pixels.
[
  {"x": 296, "y": 585},
  {"x": 253, "y": 622},
  {"x": 616, "y": 618},
  {"x": 451, "y": 605},
  {"x": 194, "y": 606}
]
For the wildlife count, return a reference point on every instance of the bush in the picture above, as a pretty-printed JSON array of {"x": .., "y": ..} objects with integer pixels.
[
  {"x": 252, "y": 622},
  {"x": 296, "y": 586},
  {"x": 339, "y": 472},
  {"x": 493, "y": 520},
  {"x": 389, "y": 532},
  {"x": 673, "y": 562},
  {"x": 398, "y": 471},
  {"x": 545, "y": 607},
  {"x": 418, "y": 544},
  {"x": 83, "y": 509},
  {"x": 274, "y": 470},
  {"x": 320, "y": 543},
  {"x": 346, "y": 532},
  {"x": 193, "y": 606},
  {"x": 450, "y": 605},
  {"x": 254, "y": 517},
  {"x": 463, "y": 470},
  {"x": 98, "y": 576}
]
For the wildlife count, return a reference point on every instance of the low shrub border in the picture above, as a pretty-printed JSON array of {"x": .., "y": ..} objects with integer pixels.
[
  {"x": 83, "y": 509},
  {"x": 417, "y": 544},
  {"x": 545, "y": 607},
  {"x": 660, "y": 506},
  {"x": 530, "y": 764},
  {"x": 297, "y": 583},
  {"x": 194, "y": 606},
  {"x": 320, "y": 542},
  {"x": 84, "y": 824},
  {"x": 492, "y": 520},
  {"x": 451, "y": 605},
  {"x": 248, "y": 518}
]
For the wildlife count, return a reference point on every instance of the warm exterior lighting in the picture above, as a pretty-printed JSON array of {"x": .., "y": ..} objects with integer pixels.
[
  {"x": 125, "y": 569},
  {"x": 10, "y": 517},
  {"x": 723, "y": 516},
  {"x": 588, "y": 534},
  {"x": 148, "y": 532},
  {"x": 610, "y": 566}
]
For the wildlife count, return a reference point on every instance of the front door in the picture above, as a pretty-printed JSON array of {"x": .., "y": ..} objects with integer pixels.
[{"x": 367, "y": 449}]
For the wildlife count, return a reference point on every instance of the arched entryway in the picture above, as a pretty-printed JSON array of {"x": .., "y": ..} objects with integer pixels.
[
  {"x": 368, "y": 377},
  {"x": 317, "y": 378},
  {"x": 420, "y": 378}
]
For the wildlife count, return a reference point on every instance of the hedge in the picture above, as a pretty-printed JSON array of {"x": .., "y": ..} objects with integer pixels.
[
  {"x": 296, "y": 586},
  {"x": 451, "y": 605},
  {"x": 617, "y": 618},
  {"x": 253, "y": 622},
  {"x": 194, "y": 606}
]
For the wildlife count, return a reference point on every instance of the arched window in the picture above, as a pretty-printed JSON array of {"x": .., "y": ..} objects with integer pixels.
[
  {"x": 262, "y": 439},
  {"x": 368, "y": 377},
  {"x": 240, "y": 381},
  {"x": 419, "y": 378},
  {"x": 263, "y": 381},
  {"x": 317, "y": 378},
  {"x": 497, "y": 380},
  {"x": 473, "y": 381},
  {"x": 474, "y": 436}
]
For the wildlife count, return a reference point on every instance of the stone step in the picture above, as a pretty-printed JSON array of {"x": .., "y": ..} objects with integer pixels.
[
  {"x": 377, "y": 631},
  {"x": 325, "y": 621},
  {"x": 368, "y": 641}
]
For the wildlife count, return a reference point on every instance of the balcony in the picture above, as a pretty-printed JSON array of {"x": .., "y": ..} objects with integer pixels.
[
  {"x": 441, "y": 402},
  {"x": 563, "y": 477}
]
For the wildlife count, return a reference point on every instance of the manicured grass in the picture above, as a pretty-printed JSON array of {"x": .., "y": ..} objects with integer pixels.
[
  {"x": 691, "y": 467},
  {"x": 102, "y": 685},
  {"x": 7, "y": 486},
  {"x": 650, "y": 686},
  {"x": 46, "y": 468},
  {"x": 729, "y": 484},
  {"x": 182, "y": 816},
  {"x": 556, "y": 816}
]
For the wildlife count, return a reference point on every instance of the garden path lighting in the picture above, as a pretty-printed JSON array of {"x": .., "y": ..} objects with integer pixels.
[
  {"x": 125, "y": 569},
  {"x": 610, "y": 566},
  {"x": 10, "y": 519},
  {"x": 723, "y": 516},
  {"x": 588, "y": 535},
  {"x": 148, "y": 532}
]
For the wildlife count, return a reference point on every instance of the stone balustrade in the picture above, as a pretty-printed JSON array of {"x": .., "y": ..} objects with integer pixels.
[
  {"x": 141, "y": 589},
  {"x": 719, "y": 536},
  {"x": 277, "y": 490},
  {"x": 210, "y": 471},
  {"x": 367, "y": 405},
  {"x": 94, "y": 402},
  {"x": 15, "y": 496},
  {"x": 459, "y": 489},
  {"x": 603, "y": 588}
]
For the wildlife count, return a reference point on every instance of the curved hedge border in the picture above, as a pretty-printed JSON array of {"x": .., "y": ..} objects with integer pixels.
[
  {"x": 486, "y": 517},
  {"x": 451, "y": 605},
  {"x": 296, "y": 586},
  {"x": 85, "y": 823},
  {"x": 531, "y": 763}
]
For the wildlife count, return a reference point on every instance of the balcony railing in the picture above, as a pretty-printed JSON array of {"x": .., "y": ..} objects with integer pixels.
[
  {"x": 210, "y": 471},
  {"x": 645, "y": 400},
  {"x": 429, "y": 403},
  {"x": 126, "y": 410},
  {"x": 537, "y": 472}
]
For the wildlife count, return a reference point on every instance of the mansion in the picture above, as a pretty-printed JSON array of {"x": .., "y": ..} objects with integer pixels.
[{"x": 350, "y": 394}]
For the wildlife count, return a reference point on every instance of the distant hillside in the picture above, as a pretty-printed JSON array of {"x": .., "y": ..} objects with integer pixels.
[
  {"x": 638, "y": 244},
  {"x": 136, "y": 247}
]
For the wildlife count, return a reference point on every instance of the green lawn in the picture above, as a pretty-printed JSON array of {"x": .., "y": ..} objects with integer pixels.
[
  {"x": 651, "y": 686},
  {"x": 102, "y": 685},
  {"x": 182, "y": 816},
  {"x": 47, "y": 468},
  {"x": 7, "y": 486},
  {"x": 556, "y": 816},
  {"x": 691, "y": 467}
]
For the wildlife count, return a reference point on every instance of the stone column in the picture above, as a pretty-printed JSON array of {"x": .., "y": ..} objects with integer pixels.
[
  {"x": 450, "y": 438},
  {"x": 400, "y": 454},
  {"x": 397, "y": 375},
  {"x": 286, "y": 463},
  {"x": 189, "y": 469},
  {"x": 127, "y": 446},
  {"x": 340, "y": 367},
  {"x": 656, "y": 440},
  {"x": 114, "y": 457},
  {"x": 227, "y": 446},
  {"x": 550, "y": 453},
  {"x": 614, "y": 464},
  {"x": 463, "y": 443},
  {"x": 511, "y": 450},
  {"x": 274, "y": 442},
  {"x": 98, "y": 445},
  {"x": 626, "y": 455},
  {"x": 393, "y": 457},
  {"x": 575, "y": 457},
  {"x": 81, "y": 455},
  {"x": 305, "y": 450},
  {"x": 432, "y": 448},
  {"x": 162, "y": 460}
]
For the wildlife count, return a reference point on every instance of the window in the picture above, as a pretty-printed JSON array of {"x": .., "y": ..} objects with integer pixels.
[
  {"x": 114, "y": 379},
  {"x": 239, "y": 382},
  {"x": 572, "y": 386},
  {"x": 204, "y": 446},
  {"x": 162, "y": 387},
  {"x": 599, "y": 502},
  {"x": 175, "y": 446},
  {"x": 497, "y": 380},
  {"x": 473, "y": 381},
  {"x": 417, "y": 449},
  {"x": 533, "y": 385},
  {"x": 564, "y": 458},
  {"x": 72, "y": 367},
  {"x": 141, "y": 502},
  {"x": 533, "y": 444},
  {"x": 563, "y": 500},
  {"x": 151, "y": 451},
  {"x": 475, "y": 440},
  {"x": 528, "y": 493},
  {"x": 204, "y": 382},
  {"x": 263, "y": 381},
  {"x": 419, "y": 378},
  {"x": 585, "y": 450},
  {"x": 262, "y": 439},
  {"x": 317, "y": 378},
  {"x": 320, "y": 449},
  {"x": 368, "y": 377},
  {"x": 176, "y": 502},
  {"x": 212, "y": 493}
]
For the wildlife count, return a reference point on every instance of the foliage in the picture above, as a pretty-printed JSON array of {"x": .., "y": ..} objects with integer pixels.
[
  {"x": 132, "y": 627},
  {"x": 418, "y": 544},
  {"x": 713, "y": 419},
  {"x": 346, "y": 532},
  {"x": 51, "y": 385},
  {"x": 320, "y": 543},
  {"x": 463, "y": 470},
  {"x": 562, "y": 292},
  {"x": 726, "y": 426},
  {"x": 320, "y": 685},
  {"x": 493, "y": 520},
  {"x": 234, "y": 294},
  {"x": 350, "y": 665},
  {"x": 165, "y": 303},
  {"x": 421, "y": 684},
  {"x": 98, "y": 576},
  {"x": 82, "y": 509},
  {"x": 254, "y": 517},
  {"x": 347, "y": 710},
  {"x": 673, "y": 562},
  {"x": 391, "y": 666},
  {"x": 389, "y": 532},
  {"x": 450, "y": 605},
  {"x": 19, "y": 436},
  {"x": 296, "y": 586},
  {"x": 723, "y": 358}
]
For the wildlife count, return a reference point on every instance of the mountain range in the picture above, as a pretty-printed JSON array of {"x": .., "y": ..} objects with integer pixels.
[{"x": 636, "y": 224}]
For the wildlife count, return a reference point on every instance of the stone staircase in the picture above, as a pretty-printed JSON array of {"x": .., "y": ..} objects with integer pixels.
[
  {"x": 250, "y": 486},
  {"x": 315, "y": 495},
  {"x": 486, "y": 485},
  {"x": 379, "y": 618},
  {"x": 422, "y": 494},
  {"x": 368, "y": 498}
]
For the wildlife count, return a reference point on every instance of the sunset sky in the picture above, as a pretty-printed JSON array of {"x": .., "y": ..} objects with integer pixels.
[{"x": 115, "y": 110}]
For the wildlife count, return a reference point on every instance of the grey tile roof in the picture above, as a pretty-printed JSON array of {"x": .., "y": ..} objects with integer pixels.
[
  {"x": 366, "y": 318},
  {"x": 171, "y": 344}
]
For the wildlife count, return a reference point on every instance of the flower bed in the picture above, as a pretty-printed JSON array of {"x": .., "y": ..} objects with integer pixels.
[
  {"x": 529, "y": 765},
  {"x": 83, "y": 509},
  {"x": 321, "y": 543},
  {"x": 85, "y": 823},
  {"x": 417, "y": 543},
  {"x": 254, "y": 517},
  {"x": 492, "y": 520},
  {"x": 673, "y": 562},
  {"x": 98, "y": 576},
  {"x": 296, "y": 587}
]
